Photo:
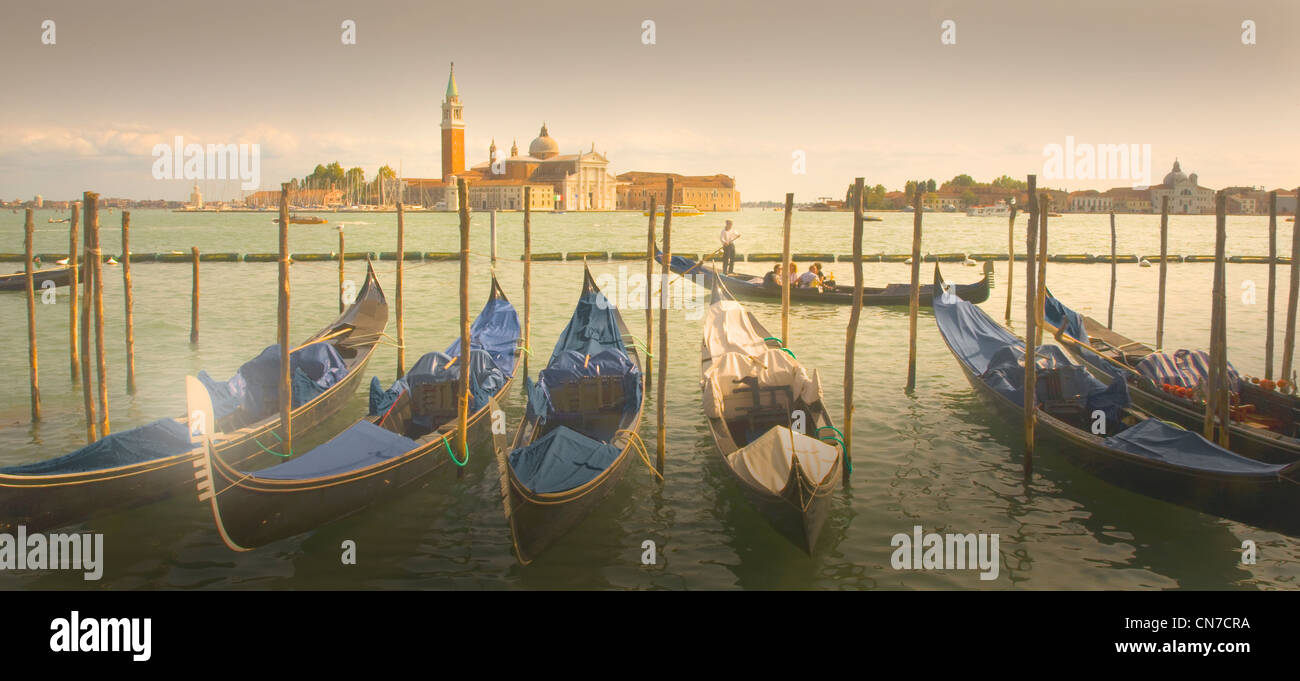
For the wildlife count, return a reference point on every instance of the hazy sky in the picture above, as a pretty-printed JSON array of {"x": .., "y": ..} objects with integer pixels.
[{"x": 863, "y": 88}]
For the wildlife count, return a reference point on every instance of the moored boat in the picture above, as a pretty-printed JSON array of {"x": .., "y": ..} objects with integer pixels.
[
  {"x": 153, "y": 461},
  {"x": 760, "y": 404},
  {"x": 1095, "y": 427},
  {"x": 753, "y": 288},
  {"x": 579, "y": 430},
  {"x": 409, "y": 435}
]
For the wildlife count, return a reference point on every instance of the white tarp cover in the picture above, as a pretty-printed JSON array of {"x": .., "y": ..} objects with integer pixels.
[
  {"x": 772, "y": 367},
  {"x": 729, "y": 328},
  {"x": 766, "y": 461}
]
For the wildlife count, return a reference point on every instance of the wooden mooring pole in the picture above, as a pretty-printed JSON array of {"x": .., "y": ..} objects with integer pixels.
[
  {"x": 1272, "y": 284},
  {"x": 1288, "y": 339},
  {"x": 401, "y": 260},
  {"x": 462, "y": 416},
  {"x": 528, "y": 276},
  {"x": 342, "y": 259},
  {"x": 91, "y": 201},
  {"x": 29, "y": 229},
  {"x": 86, "y": 337},
  {"x": 129, "y": 305},
  {"x": 850, "y": 345},
  {"x": 649, "y": 287},
  {"x": 786, "y": 275},
  {"x": 1213, "y": 380},
  {"x": 282, "y": 327},
  {"x": 661, "y": 401},
  {"x": 492, "y": 235},
  {"x": 1164, "y": 269},
  {"x": 1031, "y": 314},
  {"x": 914, "y": 303},
  {"x": 73, "y": 255},
  {"x": 1044, "y": 212},
  {"x": 194, "y": 297},
  {"x": 1011, "y": 258},
  {"x": 1114, "y": 275}
]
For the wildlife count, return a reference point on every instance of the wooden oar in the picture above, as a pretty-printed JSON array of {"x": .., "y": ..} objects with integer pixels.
[{"x": 1062, "y": 338}]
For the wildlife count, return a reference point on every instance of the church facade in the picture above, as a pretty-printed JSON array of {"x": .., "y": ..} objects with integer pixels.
[{"x": 1185, "y": 194}]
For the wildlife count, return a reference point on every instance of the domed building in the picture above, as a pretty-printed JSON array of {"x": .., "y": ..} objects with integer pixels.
[
  {"x": 1186, "y": 195},
  {"x": 544, "y": 146},
  {"x": 575, "y": 181}
]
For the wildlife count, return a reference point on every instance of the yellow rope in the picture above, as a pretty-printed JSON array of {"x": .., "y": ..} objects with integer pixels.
[{"x": 634, "y": 439}]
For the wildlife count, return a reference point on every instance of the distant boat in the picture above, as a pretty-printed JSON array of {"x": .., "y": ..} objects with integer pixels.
[
  {"x": 996, "y": 210},
  {"x": 309, "y": 220},
  {"x": 679, "y": 210},
  {"x": 53, "y": 221},
  {"x": 872, "y": 218}
]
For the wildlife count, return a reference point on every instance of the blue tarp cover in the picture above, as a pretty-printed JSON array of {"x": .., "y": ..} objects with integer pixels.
[
  {"x": 561, "y": 460},
  {"x": 253, "y": 392},
  {"x": 494, "y": 335},
  {"x": 996, "y": 356},
  {"x": 1159, "y": 441},
  {"x": 496, "y": 330},
  {"x": 571, "y": 366},
  {"x": 1057, "y": 314},
  {"x": 593, "y": 327},
  {"x": 593, "y": 330},
  {"x": 359, "y": 446},
  {"x": 160, "y": 439}
]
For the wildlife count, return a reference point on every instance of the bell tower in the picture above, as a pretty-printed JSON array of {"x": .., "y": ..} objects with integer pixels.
[{"x": 453, "y": 129}]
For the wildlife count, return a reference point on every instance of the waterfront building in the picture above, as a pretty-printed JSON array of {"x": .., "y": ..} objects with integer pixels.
[
  {"x": 1129, "y": 200},
  {"x": 705, "y": 192},
  {"x": 1090, "y": 201},
  {"x": 1185, "y": 194}
]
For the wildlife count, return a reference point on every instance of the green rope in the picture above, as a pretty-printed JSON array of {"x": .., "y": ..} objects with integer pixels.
[
  {"x": 273, "y": 453},
  {"x": 453, "y": 456},
  {"x": 783, "y": 347},
  {"x": 642, "y": 346},
  {"x": 848, "y": 463}
]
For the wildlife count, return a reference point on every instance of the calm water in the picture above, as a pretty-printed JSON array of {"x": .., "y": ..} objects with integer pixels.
[{"x": 938, "y": 458}]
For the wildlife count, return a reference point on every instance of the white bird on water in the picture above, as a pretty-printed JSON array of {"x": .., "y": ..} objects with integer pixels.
[{"x": 1144, "y": 263}]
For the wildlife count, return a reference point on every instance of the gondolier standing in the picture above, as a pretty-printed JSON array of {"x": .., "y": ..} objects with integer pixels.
[{"x": 728, "y": 238}]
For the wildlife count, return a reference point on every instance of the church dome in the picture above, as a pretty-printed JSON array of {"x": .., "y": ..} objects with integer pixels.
[
  {"x": 544, "y": 146},
  {"x": 1175, "y": 176}
]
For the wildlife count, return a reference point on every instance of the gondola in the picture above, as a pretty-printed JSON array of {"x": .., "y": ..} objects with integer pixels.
[
  {"x": 408, "y": 436},
  {"x": 1266, "y": 423},
  {"x": 1095, "y": 427},
  {"x": 151, "y": 462},
  {"x": 752, "y": 287},
  {"x": 61, "y": 276},
  {"x": 752, "y": 390},
  {"x": 577, "y": 433}
]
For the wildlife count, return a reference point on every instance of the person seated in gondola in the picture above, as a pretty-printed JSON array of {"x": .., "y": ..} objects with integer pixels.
[
  {"x": 773, "y": 278},
  {"x": 809, "y": 279},
  {"x": 828, "y": 278}
]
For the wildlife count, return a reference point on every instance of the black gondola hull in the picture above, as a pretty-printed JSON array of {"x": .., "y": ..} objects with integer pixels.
[
  {"x": 42, "y": 502},
  {"x": 1261, "y": 445},
  {"x": 61, "y": 276},
  {"x": 253, "y": 512},
  {"x": 977, "y": 292},
  {"x": 1269, "y": 502}
]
